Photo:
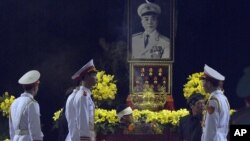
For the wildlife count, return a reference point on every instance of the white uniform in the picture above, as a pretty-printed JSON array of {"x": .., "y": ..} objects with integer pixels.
[
  {"x": 216, "y": 124},
  {"x": 70, "y": 114},
  {"x": 85, "y": 114},
  {"x": 24, "y": 121},
  {"x": 158, "y": 46}
]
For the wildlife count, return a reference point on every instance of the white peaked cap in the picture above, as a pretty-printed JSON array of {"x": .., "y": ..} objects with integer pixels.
[
  {"x": 89, "y": 67},
  {"x": 126, "y": 111},
  {"x": 148, "y": 7},
  {"x": 29, "y": 78},
  {"x": 210, "y": 72}
]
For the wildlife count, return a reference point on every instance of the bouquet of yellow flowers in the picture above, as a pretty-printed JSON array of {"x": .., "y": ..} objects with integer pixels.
[
  {"x": 194, "y": 85},
  {"x": 105, "y": 88},
  {"x": 160, "y": 120},
  {"x": 106, "y": 121},
  {"x": 5, "y": 102}
]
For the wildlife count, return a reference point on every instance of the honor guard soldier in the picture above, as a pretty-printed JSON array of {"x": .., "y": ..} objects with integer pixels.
[
  {"x": 216, "y": 119},
  {"x": 24, "y": 121},
  {"x": 70, "y": 114},
  {"x": 150, "y": 44},
  {"x": 83, "y": 102}
]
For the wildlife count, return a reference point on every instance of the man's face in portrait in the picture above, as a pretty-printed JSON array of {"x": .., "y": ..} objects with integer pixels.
[{"x": 149, "y": 22}]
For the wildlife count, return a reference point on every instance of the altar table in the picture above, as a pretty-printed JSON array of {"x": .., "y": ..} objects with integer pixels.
[{"x": 167, "y": 136}]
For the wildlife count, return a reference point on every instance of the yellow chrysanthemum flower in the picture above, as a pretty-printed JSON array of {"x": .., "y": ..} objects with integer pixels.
[
  {"x": 5, "y": 102},
  {"x": 105, "y": 88},
  {"x": 194, "y": 85},
  {"x": 57, "y": 114}
]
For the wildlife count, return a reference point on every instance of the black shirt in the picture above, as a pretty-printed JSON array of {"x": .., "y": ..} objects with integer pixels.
[{"x": 190, "y": 128}]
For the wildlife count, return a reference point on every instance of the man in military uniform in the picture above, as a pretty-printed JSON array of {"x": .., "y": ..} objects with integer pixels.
[
  {"x": 150, "y": 44},
  {"x": 83, "y": 102},
  {"x": 62, "y": 121},
  {"x": 216, "y": 119},
  {"x": 24, "y": 121},
  {"x": 70, "y": 114},
  {"x": 242, "y": 116}
]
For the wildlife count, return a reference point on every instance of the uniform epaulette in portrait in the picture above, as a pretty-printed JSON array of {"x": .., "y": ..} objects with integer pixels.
[
  {"x": 137, "y": 34},
  {"x": 84, "y": 93},
  {"x": 164, "y": 38}
]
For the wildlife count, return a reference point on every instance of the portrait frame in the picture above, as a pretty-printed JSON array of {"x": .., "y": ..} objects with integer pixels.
[
  {"x": 140, "y": 71},
  {"x": 166, "y": 28}
]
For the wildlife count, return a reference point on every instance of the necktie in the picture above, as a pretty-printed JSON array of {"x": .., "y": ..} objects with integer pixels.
[{"x": 146, "y": 41}]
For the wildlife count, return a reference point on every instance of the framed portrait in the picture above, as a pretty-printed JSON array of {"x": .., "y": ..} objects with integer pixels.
[
  {"x": 151, "y": 30},
  {"x": 151, "y": 75}
]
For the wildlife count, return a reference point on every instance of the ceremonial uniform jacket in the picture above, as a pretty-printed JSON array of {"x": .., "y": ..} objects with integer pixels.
[
  {"x": 85, "y": 114},
  {"x": 216, "y": 119},
  {"x": 70, "y": 113},
  {"x": 158, "y": 46},
  {"x": 24, "y": 121}
]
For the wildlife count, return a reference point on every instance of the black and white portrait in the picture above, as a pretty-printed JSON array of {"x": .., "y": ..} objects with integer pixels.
[{"x": 150, "y": 26}]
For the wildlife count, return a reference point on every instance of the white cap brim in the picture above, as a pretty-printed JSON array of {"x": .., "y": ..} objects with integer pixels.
[
  {"x": 86, "y": 68},
  {"x": 29, "y": 78},
  {"x": 213, "y": 73}
]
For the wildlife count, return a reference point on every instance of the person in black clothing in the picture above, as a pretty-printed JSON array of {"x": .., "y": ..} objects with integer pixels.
[{"x": 190, "y": 128}]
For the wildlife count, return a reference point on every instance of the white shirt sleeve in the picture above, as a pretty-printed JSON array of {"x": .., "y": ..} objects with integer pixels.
[
  {"x": 34, "y": 121},
  {"x": 84, "y": 116},
  {"x": 11, "y": 128}
]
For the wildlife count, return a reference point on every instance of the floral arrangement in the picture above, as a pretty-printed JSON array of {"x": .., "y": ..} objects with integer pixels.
[
  {"x": 194, "y": 85},
  {"x": 5, "y": 102},
  {"x": 106, "y": 121},
  {"x": 163, "y": 117},
  {"x": 105, "y": 88}
]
